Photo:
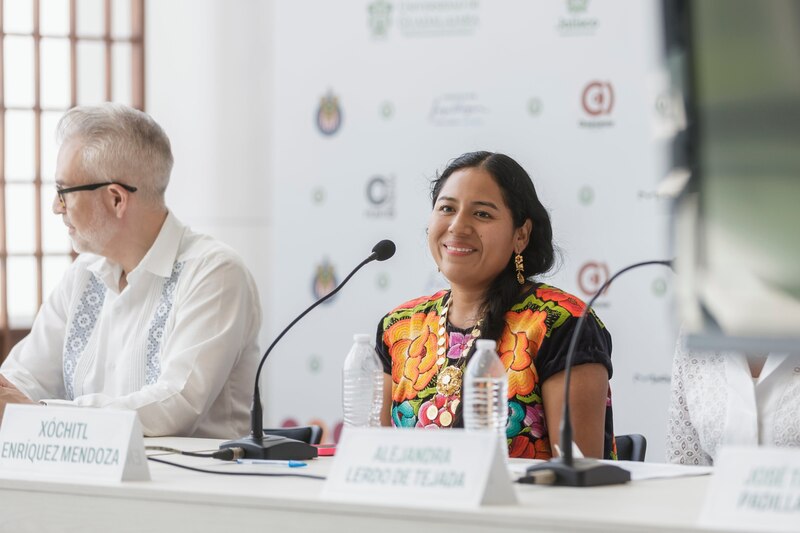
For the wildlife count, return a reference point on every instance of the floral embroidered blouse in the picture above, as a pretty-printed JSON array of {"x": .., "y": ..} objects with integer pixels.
[{"x": 532, "y": 347}]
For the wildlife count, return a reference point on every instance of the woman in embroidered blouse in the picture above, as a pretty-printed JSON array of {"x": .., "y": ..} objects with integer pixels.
[{"x": 489, "y": 234}]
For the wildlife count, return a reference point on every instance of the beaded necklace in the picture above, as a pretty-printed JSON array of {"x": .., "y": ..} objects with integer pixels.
[{"x": 450, "y": 377}]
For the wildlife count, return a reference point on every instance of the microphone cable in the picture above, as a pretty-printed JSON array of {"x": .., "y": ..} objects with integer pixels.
[
  {"x": 220, "y": 472},
  {"x": 226, "y": 454}
]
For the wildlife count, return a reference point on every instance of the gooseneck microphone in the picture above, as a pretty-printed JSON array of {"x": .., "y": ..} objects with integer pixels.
[
  {"x": 566, "y": 470},
  {"x": 260, "y": 446}
]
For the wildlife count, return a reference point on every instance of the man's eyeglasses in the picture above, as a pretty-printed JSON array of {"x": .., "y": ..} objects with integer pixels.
[{"x": 89, "y": 187}]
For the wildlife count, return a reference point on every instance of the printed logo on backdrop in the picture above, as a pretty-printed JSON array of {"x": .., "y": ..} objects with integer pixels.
[
  {"x": 324, "y": 280},
  {"x": 423, "y": 18},
  {"x": 534, "y": 106},
  {"x": 386, "y": 110},
  {"x": 329, "y": 114},
  {"x": 591, "y": 277},
  {"x": 379, "y": 191},
  {"x": 597, "y": 102},
  {"x": 578, "y": 21},
  {"x": 652, "y": 378},
  {"x": 457, "y": 110},
  {"x": 670, "y": 117},
  {"x": 380, "y": 18},
  {"x": 586, "y": 195},
  {"x": 645, "y": 195}
]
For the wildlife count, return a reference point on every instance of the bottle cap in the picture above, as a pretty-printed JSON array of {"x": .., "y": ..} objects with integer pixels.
[
  {"x": 363, "y": 337},
  {"x": 486, "y": 344}
]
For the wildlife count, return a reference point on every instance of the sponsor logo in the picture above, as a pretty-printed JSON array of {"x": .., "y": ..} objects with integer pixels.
[
  {"x": 534, "y": 106},
  {"x": 586, "y": 195},
  {"x": 382, "y": 280},
  {"x": 643, "y": 194},
  {"x": 314, "y": 364},
  {"x": 423, "y": 18},
  {"x": 386, "y": 110},
  {"x": 598, "y": 98},
  {"x": 379, "y": 18},
  {"x": 457, "y": 109},
  {"x": 591, "y": 277},
  {"x": 329, "y": 114},
  {"x": 577, "y": 21},
  {"x": 655, "y": 379},
  {"x": 380, "y": 197},
  {"x": 318, "y": 195},
  {"x": 597, "y": 101},
  {"x": 659, "y": 287},
  {"x": 324, "y": 280}
]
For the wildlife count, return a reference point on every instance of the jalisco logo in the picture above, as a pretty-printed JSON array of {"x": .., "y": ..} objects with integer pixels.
[
  {"x": 578, "y": 22},
  {"x": 591, "y": 277},
  {"x": 597, "y": 101},
  {"x": 324, "y": 280},
  {"x": 329, "y": 114},
  {"x": 379, "y": 191}
]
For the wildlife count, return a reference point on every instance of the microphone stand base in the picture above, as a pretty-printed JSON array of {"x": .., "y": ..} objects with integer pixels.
[
  {"x": 581, "y": 473},
  {"x": 272, "y": 447}
]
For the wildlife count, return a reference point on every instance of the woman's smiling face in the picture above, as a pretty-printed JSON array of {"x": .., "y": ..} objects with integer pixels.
[{"x": 471, "y": 231}]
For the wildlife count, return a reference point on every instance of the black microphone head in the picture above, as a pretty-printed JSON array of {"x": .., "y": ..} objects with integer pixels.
[{"x": 384, "y": 250}]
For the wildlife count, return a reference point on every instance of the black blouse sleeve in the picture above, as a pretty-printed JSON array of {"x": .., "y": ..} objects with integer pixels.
[{"x": 594, "y": 346}]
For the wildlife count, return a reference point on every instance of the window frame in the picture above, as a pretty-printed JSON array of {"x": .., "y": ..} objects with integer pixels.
[{"x": 10, "y": 336}]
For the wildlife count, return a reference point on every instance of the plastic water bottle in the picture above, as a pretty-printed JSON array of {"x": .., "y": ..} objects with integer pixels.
[
  {"x": 486, "y": 392},
  {"x": 362, "y": 385}
]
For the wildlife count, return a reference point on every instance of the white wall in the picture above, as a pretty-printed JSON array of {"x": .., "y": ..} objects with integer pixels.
[{"x": 208, "y": 84}]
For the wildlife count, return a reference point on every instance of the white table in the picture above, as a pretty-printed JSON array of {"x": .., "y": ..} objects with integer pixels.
[{"x": 177, "y": 500}]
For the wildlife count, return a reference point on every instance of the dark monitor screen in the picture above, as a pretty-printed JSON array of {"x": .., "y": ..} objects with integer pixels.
[{"x": 735, "y": 64}]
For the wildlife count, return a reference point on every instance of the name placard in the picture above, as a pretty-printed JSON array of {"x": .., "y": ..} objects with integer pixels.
[
  {"x": 454, "y": 468},
  {"x": 72, "y": 442},
  {"x": 754, "y": 489}
]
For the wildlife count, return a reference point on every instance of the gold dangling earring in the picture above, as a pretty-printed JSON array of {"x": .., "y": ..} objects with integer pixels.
[{"x": 520, "y": 269}]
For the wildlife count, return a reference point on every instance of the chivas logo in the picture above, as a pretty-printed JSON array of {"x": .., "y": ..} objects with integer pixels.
[
  {"x": 578, "y": 21},
  {"x": 329, "y": 115},
  {"x": 591, "y": 277},
  {"x": 324, "y": 280},
  {"x": 598, "y": 98}
]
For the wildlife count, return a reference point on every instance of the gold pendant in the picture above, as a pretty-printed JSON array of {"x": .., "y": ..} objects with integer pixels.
[{"x": 449, "y": 381}]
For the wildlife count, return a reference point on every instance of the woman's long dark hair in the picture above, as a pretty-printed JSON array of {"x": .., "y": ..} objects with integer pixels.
[{"x": 521, "y": 198}]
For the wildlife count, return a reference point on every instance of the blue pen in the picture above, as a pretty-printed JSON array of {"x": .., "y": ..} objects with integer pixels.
[{"x": 290, "y": 464}]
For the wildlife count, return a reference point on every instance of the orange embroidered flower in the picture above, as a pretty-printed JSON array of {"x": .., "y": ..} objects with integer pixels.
[
  {"x": 519, "y": 344},
  {"x": 563, "y": 299},
  {"x": 413, "y": 351},
  {"x": 522, "y": 446}
]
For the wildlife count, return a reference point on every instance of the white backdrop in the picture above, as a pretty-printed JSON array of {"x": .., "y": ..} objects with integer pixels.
[{"x": 571, "y": 89}]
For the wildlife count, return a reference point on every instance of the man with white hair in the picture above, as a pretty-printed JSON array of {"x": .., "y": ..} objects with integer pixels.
[{"x": 151, "y": 316}]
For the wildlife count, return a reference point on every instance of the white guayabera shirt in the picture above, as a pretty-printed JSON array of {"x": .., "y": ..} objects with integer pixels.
[
  {"x": 178, "y": 344},
  {"x": 716, "y": 402}
]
